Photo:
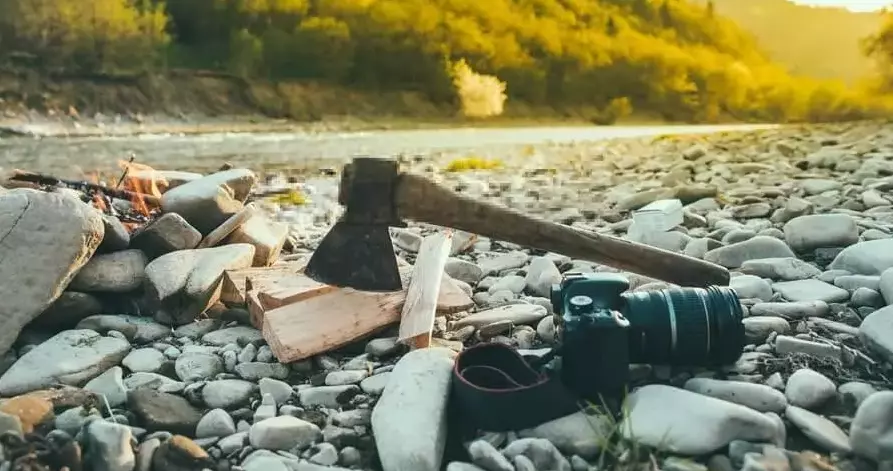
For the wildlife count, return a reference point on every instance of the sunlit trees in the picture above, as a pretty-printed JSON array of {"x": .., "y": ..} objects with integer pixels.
[{"x": 600, "y": 59}]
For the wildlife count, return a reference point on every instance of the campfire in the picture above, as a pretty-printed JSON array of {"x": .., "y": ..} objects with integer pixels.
[{"x": 134, "y": 197}]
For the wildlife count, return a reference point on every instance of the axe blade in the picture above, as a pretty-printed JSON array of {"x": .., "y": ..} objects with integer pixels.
[{"x": 359, "y": 256}]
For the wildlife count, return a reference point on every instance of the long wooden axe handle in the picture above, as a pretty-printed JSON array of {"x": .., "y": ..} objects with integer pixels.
[{"x": 417, "y": 198}]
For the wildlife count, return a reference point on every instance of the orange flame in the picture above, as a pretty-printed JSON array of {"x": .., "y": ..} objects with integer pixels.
[{"x": 141, "y": 180}]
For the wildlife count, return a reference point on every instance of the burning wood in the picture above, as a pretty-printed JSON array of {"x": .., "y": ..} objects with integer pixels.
[{"x": 87, "y": 187}]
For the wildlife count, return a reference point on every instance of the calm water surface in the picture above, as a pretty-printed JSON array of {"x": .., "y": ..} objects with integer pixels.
[{"x": 202, "y": 153}]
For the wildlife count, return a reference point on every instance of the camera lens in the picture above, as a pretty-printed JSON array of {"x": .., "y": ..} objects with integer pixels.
[{"x": 685, "y": 326}]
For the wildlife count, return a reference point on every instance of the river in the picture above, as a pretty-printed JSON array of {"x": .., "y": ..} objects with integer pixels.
[{"x": 70, "y": 156}]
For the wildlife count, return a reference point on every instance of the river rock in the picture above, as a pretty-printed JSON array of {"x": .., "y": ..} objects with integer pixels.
[
  {"x": 135, "y": 328},
  {"x": 786, "y": 269},
  {"x": 116, "y": 272},
  {"x": 695, "y": 424},
  {"x": 160, "y": 411},
  {"x": 409, "y": 421},
  {"x": 871, "y": 433},
  {"x": 797, "y": 310},
  {"x": 518, "y": 314},
  {"x": 67, "y": 310},
  {"x": 283, "y": 433},
  {"x": 110, "y": 385},
  {"x": 115, "y": 237},
  {"x": 758, "y": 397},
  {"x": 108, "y": 447},
  {"x": 86, "y": 354},
  {"x": 207, "y": 202},
  {"x": 820, "y": 430},
  {"x": 865, "y": 258},
  {"x": 806, "y": 233},
  {"x": 732, "y": 256},
  {"x": 751, "y": 287},
  {"x": 809, "y": 389},
  {"x": 266, "y": 236},
  {"x": 810, "y": 290},
  {"x": 167, "y": 234},
  {"x": 183, "y": 284},
  {"x": 541, "y": 275},
  {"x": 47, "y": 238},
  {"x": 227, "y": 393},
  {"x": 876, "y": 332}
]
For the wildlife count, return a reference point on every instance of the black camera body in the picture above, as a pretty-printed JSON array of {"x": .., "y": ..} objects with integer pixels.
[{"x": 603, "y": 328}]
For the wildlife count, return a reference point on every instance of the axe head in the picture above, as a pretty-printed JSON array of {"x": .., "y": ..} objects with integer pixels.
[{"x": 357, "y": 252}]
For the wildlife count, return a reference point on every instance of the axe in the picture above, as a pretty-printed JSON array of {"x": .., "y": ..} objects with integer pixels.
[{"x": 358, "y": 253}]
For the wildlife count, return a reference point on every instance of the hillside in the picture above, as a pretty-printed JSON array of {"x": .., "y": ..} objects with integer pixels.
[
  {"x": 812, "y": 41},
  {"x": 595, "y": 58}
]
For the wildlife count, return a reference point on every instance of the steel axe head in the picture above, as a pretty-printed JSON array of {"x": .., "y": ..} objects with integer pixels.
[{"x": 357, "y": 252}]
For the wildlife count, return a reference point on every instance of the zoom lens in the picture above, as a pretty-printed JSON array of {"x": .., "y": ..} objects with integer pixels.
[{"x": 685, "y": 326}]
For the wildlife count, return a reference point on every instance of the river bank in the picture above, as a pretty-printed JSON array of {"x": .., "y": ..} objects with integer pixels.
[{"x": 801, "y": 216}]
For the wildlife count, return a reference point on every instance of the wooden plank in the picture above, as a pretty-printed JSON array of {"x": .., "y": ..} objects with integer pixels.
[
  {"x": 417, "y": 316},
  {"x": 263, "y": 278},
  {"x": 331, "y": 319},
  {"x": 328, "y": 321}
]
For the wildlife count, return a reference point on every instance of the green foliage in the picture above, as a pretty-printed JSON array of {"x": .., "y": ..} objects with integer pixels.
[
  {"x": 673, "y": 58},
  {"x": 472, "y": 163},
  {"x": 86, "y": 35}
]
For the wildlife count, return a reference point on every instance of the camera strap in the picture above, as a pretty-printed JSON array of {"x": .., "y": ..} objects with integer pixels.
[{"x": 495, "y": 389}]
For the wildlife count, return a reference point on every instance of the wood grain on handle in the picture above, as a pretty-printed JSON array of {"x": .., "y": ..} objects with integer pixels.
[{"x": 420, "y": 199}]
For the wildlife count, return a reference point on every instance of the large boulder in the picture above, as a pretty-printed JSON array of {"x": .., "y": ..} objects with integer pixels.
[{"x": 45, "y": 239}]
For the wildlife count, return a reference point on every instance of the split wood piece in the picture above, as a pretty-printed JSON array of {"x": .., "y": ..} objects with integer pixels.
[
  {"x": 327, "y": 321},
  {"x": 149, "y": 200},
  {"x": 451, "y": 298},
  {"x": 233, "y": 286},
  {"x": 417, "y": 317},
  {"x": 227, "y": 228}
]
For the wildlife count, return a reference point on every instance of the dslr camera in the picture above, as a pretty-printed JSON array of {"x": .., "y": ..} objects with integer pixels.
[{"x": 603, "y": 328}]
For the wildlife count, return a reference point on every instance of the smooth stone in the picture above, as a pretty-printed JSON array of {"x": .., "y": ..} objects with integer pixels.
[
  {"x": 865, "y": 258},
  {"x": 871, "y": 433},
  {"x": 809, "y": 389},
  {"x": 87, "y": 355},
  {"x": 794, "y": 310},
  {"x": 108, "y": 447},
  {"x": 116, "y": 272},
  {"x": 695, "y": 424},
  {"x": 518, "y": 314},
  {"x": 732, "y": 256},
  {"x": 240, "y": 334},
  {"x": 144, "y": 359},
  {"x": 227, "y": 393},
  {"x": 786, "y": 268},
  {"x": 576, "y": 434},
  {"x": 215, "y": 423},
  {"x": 876, "y": 332},
  {"x": 815, "y": 231},
  {"x": 820, "y": 430},
  {"x": 757, "y": 329},
  {"x": 541, "y": 275},
  {"x": 183, "y": 284},
  {"x": 166, "y": 234},
  {"x": 160, "y": 411},
  {"x": 758, "y": 397},
  {"x": 110, "y": 385},
  {"x": 751, "y": 287},
  {"x": 195, "y": 366},
  {"x": 410, "y": 419},
  {"x": 283, "y": 433},
  {"x": 810, "y": 290}
]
